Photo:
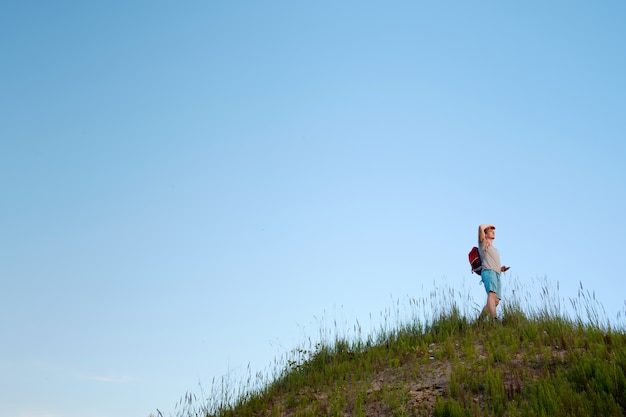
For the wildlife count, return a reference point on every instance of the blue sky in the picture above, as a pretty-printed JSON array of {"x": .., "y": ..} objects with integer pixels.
[{"x": 190, "y": 190}]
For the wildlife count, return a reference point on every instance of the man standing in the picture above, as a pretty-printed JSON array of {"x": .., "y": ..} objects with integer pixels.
[{"x": 491, "y": 268}]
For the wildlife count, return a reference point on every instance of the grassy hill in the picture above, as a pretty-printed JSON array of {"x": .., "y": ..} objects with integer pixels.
[{"x": 538, "y": 362}]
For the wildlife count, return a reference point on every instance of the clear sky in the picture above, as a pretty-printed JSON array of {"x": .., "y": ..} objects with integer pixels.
[{"x": 187, "y": 188}]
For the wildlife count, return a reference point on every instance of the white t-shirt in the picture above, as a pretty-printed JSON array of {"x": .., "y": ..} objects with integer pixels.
[{"x": 489, "y": 256}]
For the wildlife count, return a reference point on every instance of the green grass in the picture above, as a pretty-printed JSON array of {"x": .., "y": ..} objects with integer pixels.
[{"x": 436, "y": 360}]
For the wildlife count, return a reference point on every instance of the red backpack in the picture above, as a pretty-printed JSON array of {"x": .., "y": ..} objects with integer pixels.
[{"x": 475, "y": 261}]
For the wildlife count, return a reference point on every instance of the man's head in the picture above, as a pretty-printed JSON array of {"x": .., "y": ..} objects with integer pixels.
[{"x": 490, "y": 231}]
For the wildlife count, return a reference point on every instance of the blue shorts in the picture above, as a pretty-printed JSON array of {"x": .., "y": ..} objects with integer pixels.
[{"x": 491, "y": 281}]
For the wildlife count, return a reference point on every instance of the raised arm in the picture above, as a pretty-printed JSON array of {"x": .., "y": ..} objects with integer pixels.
[{"x": 481, "y": 232}]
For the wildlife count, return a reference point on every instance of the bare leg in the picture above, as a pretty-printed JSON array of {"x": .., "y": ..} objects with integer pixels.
[{"x": 492, "y": 303}]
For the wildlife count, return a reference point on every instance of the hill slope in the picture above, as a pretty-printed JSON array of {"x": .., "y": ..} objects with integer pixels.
[{"x": 537, "y": 365}]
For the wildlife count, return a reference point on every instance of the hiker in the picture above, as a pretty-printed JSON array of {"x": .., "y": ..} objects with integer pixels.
[{"x": 492, "y": 269}]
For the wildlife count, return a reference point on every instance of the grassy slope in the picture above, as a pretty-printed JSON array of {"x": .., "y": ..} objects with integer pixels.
[{"x": 535, "y": 364}]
